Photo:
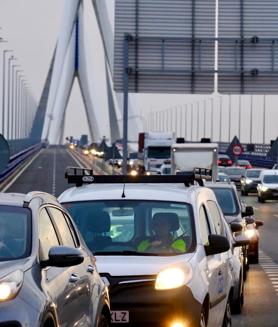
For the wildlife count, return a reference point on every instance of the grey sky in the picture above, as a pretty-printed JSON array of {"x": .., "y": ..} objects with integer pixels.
[{"x": 32, "y": 28}]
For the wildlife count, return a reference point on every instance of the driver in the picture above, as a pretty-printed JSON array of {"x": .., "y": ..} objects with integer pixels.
[{"x": 163, "y": 224}]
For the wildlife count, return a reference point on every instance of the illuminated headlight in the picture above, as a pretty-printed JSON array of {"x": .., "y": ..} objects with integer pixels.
[
  {"x": 86, "y": 152},
  {"x": 10, "y": 285},
  {"x": 248, "y": 181},
  {"x": 148, "y": 173},
  {"x": 133, "y": 173},
  {"x": 250, "y": 233},
  {"x": 172, "y": 278},
  {"x": 263, "y": 188}
]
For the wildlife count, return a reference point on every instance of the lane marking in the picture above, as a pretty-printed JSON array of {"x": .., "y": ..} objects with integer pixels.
[
  {"x": 78, "y": 161},
  {"x": 276, "y": 216},
  {"x": 21, "y": 172},
  {"x": 271, "y": 270},
  {"x": 54, "y": 173},
  {"x": 256, "y": 208}
]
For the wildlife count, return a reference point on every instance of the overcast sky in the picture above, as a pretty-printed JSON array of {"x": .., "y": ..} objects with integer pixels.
[{"x": 31, "y": 28}]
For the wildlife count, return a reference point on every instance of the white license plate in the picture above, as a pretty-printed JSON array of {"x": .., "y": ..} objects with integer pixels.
[{"x": 120, "y": 317}]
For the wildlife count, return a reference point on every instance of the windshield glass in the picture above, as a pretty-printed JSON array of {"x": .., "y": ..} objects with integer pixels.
[
  {"x": 14, "y": 233},
  {"x": 227, "y": 201},
  {"x": 159, "y": 152},
  {"x": 120, "y": 227},
  {"x": 235, "y": 171},
  {"x": 271, "y": 179},
  {"x": 253, "y": 173}
]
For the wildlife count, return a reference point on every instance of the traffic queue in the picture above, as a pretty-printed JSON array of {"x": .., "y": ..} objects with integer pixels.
[{"x": 133, "y": 250}]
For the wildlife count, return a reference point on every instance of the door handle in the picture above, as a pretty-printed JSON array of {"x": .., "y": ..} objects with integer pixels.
[
  {"x": 73, "y": 278},
  {"x": 90, "y": 269}
]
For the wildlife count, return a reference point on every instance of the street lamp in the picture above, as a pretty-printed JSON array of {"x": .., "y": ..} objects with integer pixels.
[
  {"x": 9, "y": 95},
  {"x": 13, "y": 100},
  {"x": 4, "y": 90}
]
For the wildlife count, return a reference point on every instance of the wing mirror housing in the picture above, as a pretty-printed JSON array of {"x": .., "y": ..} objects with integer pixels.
[
  {"x": 241, "y": 240},
  {"x": 249, "y": 220},
  {"x": 217, "y": 244},
  {"x": 236, "y": 227},
  {"x": 249, "y": 211},
  {"x": 63, "y": 256}
]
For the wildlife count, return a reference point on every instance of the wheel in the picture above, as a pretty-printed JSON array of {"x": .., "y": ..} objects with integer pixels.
[
  {"x": 237, "y": 304},
  {"x": 203, "y": 320},
  {"x": 254, "y": 258},
  {"x": 261, "y": 200},
  {"x": 244, "y": 193},
  {"x": 103, "y": 321},
  {"x": 227, "y": 321}
]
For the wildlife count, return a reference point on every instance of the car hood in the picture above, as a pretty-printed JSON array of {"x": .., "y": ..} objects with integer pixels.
[
  {"x": 139, "y": 265},
  {"x": 271, "y": 186},
  {"x": 7, "y": 267}
]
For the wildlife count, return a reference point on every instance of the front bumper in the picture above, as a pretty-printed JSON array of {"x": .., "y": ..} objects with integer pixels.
[
  {"x": 250, "y": 187},
  {"x": 269, "y": 194},
  {"x": 17, "y": 313},
  {"x": 149, "y": 307}
]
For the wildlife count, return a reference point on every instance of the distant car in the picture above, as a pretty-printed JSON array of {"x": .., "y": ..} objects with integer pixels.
[
  {"x": 244, "y": 163},
  {"x": 235, "y": 174},
  {"x": 221, "y": 169},
  {"x": 224, "y": 160},
  {"x": 275, "y": 166},
  {"x": 250, "y": 181},
  {"x": 268, "y": 187},
  {"x": 221, "y": 177},
  {"x": 48, "y": 275}
]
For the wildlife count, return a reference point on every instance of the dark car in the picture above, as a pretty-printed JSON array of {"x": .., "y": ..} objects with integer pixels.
[
  {"x": 224, "y": 160},
  {"x": 250, "y": 181},
  {"x": 48, "y": 276},
  {"x": 235, "y": 174}
]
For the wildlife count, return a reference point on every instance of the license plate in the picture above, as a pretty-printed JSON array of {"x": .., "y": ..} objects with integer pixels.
[{"x": 120, "y": 317}]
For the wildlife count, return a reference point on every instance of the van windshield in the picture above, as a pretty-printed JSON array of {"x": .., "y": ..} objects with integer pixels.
[
  {"x": 159, "y": 152},
  {"x": 227, "y": 201},
  {"x": 271, "y": 179},
  {"x": 120, "y": 227}
]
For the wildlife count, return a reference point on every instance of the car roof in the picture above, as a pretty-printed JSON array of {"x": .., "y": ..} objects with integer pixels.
[
  {"x": 12, "y": 199},
  {"x": 156, "y": 192},
  {"x": 255, "y": 169},
  {"x": 220, "y": 185},
  {"x": 270, "y": 172}
]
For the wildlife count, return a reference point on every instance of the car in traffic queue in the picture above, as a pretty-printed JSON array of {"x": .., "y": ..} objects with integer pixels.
[
  {"x": 48, "y": 276},
  {"x": 268, "y": 187},
  {"x": 250, "y": 181},
  {"x": 235, "y": 174},
  {"x": 221, "y": 177},
  {"x": 185, "y": 280},
  {"x": 235, "y": 211},
  {"x": 243, "y": 163},
  {"x": 224, "y": 160}
]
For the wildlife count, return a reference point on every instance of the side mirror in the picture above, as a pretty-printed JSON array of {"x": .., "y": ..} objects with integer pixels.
[
  {"x": 258, "y": 223},
  {"x": 249, "y": 211},
  {"x": 241, "y": 240},
  {"x": 236, "y": 227},
  {"x": 217, "y": 244},
  {"x": 63, "y": 256},
  {"x": 249, "y": 220}
]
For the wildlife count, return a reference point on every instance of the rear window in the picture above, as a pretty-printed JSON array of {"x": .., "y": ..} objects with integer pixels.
[
  {"x": 253, "y": 173},
  {"x": 227, "y": 200},
  {"x": 235, "y": 171}
]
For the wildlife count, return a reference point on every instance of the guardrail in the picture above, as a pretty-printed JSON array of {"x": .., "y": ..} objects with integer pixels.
[{"x": 17, "y": 159}]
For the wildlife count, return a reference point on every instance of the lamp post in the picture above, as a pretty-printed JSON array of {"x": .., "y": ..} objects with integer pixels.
[
  {"x": 9, "y": 96},
  {"x": 4, "y": 90},
  {"x": 13, "y": 100},
  {"x": 17, "y": 119}
]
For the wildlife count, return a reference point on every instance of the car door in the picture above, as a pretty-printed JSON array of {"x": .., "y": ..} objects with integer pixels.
[
  {"x": 221, "y": 285},
  {"x": 79, "y": 278},
  {"x": 55, "y": 281}
]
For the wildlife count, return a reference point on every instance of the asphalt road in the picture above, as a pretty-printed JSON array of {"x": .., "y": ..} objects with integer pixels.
[{"x": 46, "y": 173}]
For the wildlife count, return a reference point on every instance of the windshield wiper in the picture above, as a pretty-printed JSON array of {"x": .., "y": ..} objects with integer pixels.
[{"x": 127, "y": 252}]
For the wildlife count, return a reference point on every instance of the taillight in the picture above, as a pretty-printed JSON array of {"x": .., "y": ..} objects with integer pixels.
[
  {"x": 248, "y": 167},
  {"x": 230, "y": 162},
  {"x": 219, "y": 162}
]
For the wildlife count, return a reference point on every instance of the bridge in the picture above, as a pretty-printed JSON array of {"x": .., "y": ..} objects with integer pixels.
[{"x": 35, "y": 130}]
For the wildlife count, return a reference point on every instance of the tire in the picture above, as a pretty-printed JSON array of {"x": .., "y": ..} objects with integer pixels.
[
  {"x": 255, "y": 258},
  {"x": 261, "y": 200},
  {"x": 237, "y": 304},
  {"x": 227, "y": 321},
  {"x": 103, "y": 321}
]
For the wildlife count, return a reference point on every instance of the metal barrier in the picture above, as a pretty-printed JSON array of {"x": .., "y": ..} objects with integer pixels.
[{"x": 17, "y": 159}]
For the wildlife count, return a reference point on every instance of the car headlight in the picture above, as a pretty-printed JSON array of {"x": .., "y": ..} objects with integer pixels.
[
  {"x": 133, "y": 173},
  {"x": 10, "y": 285},
  {"x": 250, "y": 233},
  {"x": 248, "y": 181},
  {"x": 172, "y": 278},
  {"x": 263, "y": 188}
]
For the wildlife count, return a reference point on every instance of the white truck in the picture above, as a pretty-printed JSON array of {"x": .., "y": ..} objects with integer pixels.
[
  {"x": 153, "y": 149},
  {"x": 187, "y": 156}
]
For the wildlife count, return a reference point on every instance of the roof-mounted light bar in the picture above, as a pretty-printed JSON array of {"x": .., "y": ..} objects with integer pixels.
[{"x": 80, "y": 176}]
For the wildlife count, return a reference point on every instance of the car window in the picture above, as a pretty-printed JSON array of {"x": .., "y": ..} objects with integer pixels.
[
  {"x": 72, "y": 229},
  {"x": 226, "y": 200},
  {"x": 253, "y": 173},
  {"x": 215, "y": 217},
  {"x": 47, "y": 235},
  {"x": 114, "y": 226},
  {"x": 62, "y": 227},
  {"x": 204, "y": 226},
  {"x": 270, "y": 179}
]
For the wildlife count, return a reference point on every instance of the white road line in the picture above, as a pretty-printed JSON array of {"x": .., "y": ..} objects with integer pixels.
[
  {"x": 271, "y": 270},
  {"x": 276, "y": 216},
  {"x": 77, "y": 160},
  {"x": 54, "y": 174},
  {"x": 20, "y": 172},
  {"x": 256, "y": 208}
]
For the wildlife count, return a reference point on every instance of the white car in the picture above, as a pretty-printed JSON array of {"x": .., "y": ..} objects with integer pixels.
[
  {"x": 161, "y": 248},
  {"x": 268, "y": 187}
]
